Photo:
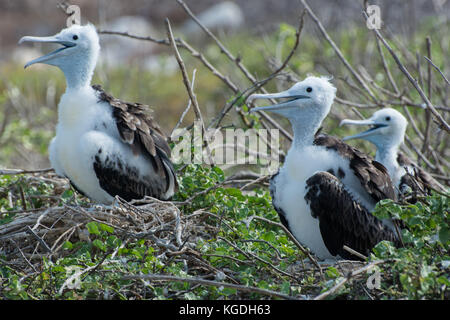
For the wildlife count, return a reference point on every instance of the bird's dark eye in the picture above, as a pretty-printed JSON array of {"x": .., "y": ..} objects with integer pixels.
[
  {"x": 388, "y": 118},
  {"x": 309, "y": 89},
  {"x": 75, "y": 37}
]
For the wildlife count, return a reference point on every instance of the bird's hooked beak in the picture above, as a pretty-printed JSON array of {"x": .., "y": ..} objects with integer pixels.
[
  {"x": 50, "y": 56},
  {"x": 279, "y": 106},
  {"x": 364, "y": 134}
]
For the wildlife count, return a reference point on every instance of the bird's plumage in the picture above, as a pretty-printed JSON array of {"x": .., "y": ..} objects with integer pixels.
[
  {"x": 416, "y": 178},
  {"x": 342, "y": 219},
  {"x": 138, "y": 129},
  {"x": 325, "y": 190},
  {"x": 371, "y": 174},
  {"x": 105, "y": 147}
]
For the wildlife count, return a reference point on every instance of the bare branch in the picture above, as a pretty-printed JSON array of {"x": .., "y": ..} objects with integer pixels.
[
  {"x": 348, "y": 278},
  {"x": 437, "y": 68},
  {"x": 413, "y": 81},
  {"x": 187, "y": 83},
  {"x": 338, "y": 51},
  {"x": 157, "y": 277}
]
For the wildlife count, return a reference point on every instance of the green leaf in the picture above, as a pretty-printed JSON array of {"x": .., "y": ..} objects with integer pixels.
[
  {"x": 99, "y": 244},
  {"x": 233, "y": 192},
  {"x": 67, "y": 245},
  {"x": 444, "y": 280},
  {"x": 106, "y": 228},
  {"x": 332, "y": 273},
  {"x": 444, "y": 234},
  {"x": 269, "y": 236},
  {"x": 93, "y": 227}
]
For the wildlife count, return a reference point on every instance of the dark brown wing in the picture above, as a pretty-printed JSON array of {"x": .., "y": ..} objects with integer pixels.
[
  {"x": 421, "y": 182},
  {"x": 374, "y": 177},
  {"x": 342, "y": 220},
  {"x": 138, "y": 129}
]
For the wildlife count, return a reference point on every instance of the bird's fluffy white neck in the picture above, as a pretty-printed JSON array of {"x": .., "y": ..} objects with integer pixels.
[
  {"x": 79, "y": 71},
  {"x": 387, "y": 156},
  {"x": 305, "y": 126}
]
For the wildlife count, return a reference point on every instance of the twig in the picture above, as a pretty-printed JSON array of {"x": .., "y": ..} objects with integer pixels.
[
  {"x": 188, "y": 106},
  {"x": 338, "y": 51},
  {"x": 437, "y": 68},
  {"x": 291, "y": 53},
  {"x": 23, "y": 255},
  {"x": 256, "y": 181},
  {"x": 41, "y": 241},
  {"x": 20, "y": 171},
  {"x": 158, "y": 277},
  {"x": 427, "y": 112},
  {"x": 413, "y": 81},
  {"x": 239, "y": 64},
  {"x": 223, "y": 49},
  {"x": 187, "y": 84},
  {"x": 291, "y": 236},
  {"x": 349, "y": 277},
  {"x": 385, "y": 66},
  {"x": 354, "y": 252}
]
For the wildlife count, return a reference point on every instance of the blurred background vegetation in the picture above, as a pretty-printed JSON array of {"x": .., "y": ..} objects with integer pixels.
[{"x": 261, "y": 33}]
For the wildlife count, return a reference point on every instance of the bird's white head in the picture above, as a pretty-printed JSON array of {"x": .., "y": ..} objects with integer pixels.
[
  {"x": 76, "y": 58},
  {"x": 387, "y": 131},
  {"x": 307, "y": 104}
]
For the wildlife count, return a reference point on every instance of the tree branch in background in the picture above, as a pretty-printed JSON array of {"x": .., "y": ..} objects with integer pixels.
[
  {"x": 338, "y": 51},
  {"x": 444, "y": 125},
  {"x": 192, "y": 96}
]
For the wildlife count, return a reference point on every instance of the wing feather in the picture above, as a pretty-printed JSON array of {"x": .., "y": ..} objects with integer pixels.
[
  {"x": 373, "y": 176},
  {"x": 420, "y": 181},
  {"x": 342, "y": 220},
  {"x": 138, "y": 129}
]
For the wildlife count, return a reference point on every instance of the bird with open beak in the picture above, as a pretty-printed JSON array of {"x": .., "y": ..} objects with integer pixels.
[
  {"x": 387, "y": 132},
  {"x": 105, "y": 147},
  {"x": 325, "y": 190}
]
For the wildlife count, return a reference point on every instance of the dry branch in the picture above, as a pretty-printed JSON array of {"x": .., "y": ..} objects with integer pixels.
[
  {"x": 20, "y": 171},
  {"x": 158, "y": 277},
  {"x": 350, "y": 276},
  {"x": 192, "y": 96},
  {"x": 338, "y": 51},
  {"x": 411, "y": 79}
]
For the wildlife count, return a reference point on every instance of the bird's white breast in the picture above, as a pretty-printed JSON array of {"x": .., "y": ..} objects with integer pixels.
[
  {"x": 290, "y": 190},
  {"x": 80, "y": 113}
]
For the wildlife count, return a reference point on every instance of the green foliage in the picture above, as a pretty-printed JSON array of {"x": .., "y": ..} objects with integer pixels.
[
  {"x": 254, "y": 252},
  {"x": 420, "y": 269},
  {"x": 105, "y": 258}
]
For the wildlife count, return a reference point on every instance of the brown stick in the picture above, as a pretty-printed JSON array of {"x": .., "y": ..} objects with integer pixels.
[
  {"x": 413, "y": 81},
  {"x": 187, "y": 84},
  {"x": 20, "y": 171},
  {"x": 338, "y": 51},
  {"x": 427, "y": 112},
  {"x": 291, "y": 236},
  {"x": 160, "y": 277},
  {"x": 352, "y": 274}
]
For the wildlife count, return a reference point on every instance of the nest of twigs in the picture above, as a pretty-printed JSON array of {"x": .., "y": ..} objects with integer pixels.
[{"x": 37, "y": 233}]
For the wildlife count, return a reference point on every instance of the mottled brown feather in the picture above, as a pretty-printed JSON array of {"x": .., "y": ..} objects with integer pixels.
[
  {"x": 421, "y": 182},
  {"x": 374, "y": 177},
  {"x": 138, "y": 128},
  {"x": 342, "y": 220}
]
